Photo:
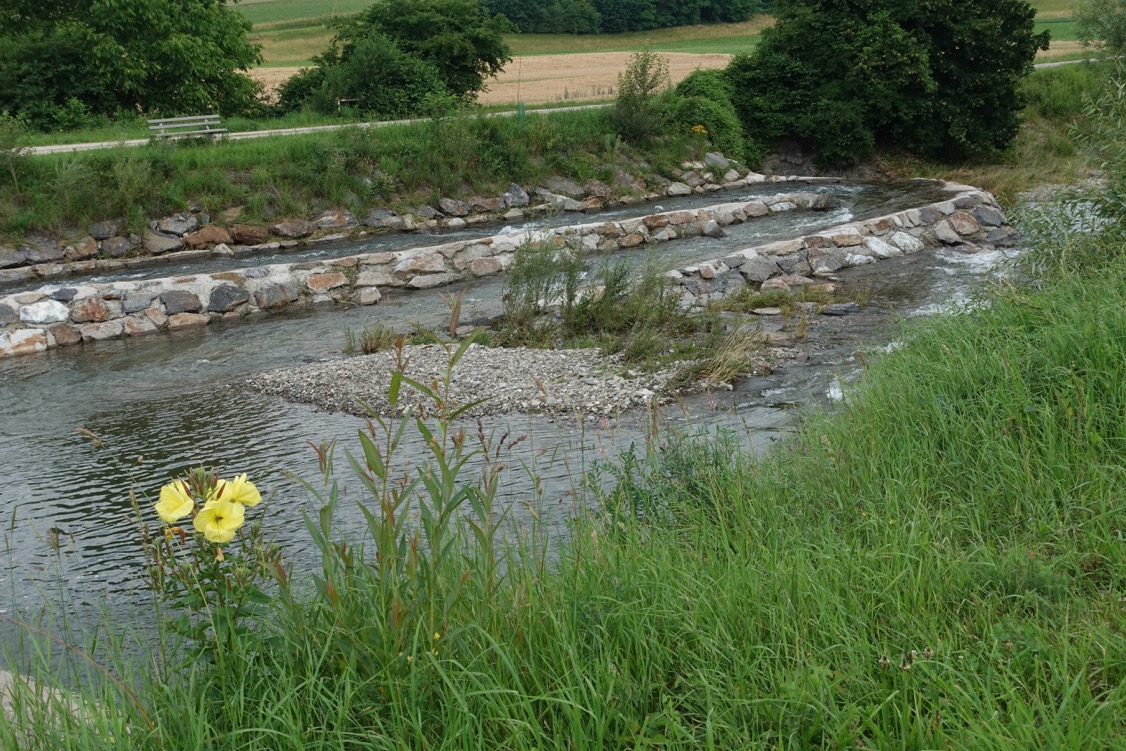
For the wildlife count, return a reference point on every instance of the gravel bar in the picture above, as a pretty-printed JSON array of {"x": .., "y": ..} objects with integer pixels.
[{"x": 508, "y": 379}]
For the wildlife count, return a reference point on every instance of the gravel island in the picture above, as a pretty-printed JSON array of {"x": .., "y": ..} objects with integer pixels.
[{"x": 577, "y": 381}]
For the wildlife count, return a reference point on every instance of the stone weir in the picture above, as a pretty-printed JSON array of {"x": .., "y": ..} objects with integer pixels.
[
  {"x": 970, "y": 218},
  {"x": 57, "y": 316}
]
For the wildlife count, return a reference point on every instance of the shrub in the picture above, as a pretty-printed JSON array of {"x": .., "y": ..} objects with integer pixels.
[
  {"x": 1102, "y": 24},
  {"x": 373, "y": 74},
  {"x": 637, "y": 111},
  {"x": 63, "y": 63},
  {"x": 709, "y": 84},
  {"x": 718, "y": 118}
]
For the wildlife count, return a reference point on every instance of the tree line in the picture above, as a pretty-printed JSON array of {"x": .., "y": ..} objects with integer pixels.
[{"x": 616, "y": 16}]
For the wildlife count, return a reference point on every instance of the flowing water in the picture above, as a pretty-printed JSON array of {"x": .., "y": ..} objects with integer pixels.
[{"x": 162, "y": 404}]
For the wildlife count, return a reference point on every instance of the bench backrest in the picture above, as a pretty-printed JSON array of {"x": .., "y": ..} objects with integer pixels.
[{"x": 204, "y": 123}]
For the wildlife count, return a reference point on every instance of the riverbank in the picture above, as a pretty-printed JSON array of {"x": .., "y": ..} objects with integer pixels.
[
  {"x": 949, "y": 536},
  {"x": 938, "y": 562}
]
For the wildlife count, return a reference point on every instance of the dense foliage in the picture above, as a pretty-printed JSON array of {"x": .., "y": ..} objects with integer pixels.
[
  {"x": 704, "y": 98},
  {"x": 615, "y": 16},
  {"x": 64, "y": 63},
  {"x": 1103, "y": 24},
  {"x": 700, "y": 106},
  {"x": 938, "y": 78},
  {"x": 391, "y": 61}
]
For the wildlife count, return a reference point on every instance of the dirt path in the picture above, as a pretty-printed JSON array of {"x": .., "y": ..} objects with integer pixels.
[{"x": 553, "y": 79}]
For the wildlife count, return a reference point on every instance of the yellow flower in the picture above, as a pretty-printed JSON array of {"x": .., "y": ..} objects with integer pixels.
[
  {"x": 175, "y": 502},
  {"x": 219, "y": 520},
  {"x": 239, "y": 490}
]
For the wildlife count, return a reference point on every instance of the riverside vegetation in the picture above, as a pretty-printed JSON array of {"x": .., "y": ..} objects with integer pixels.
[
  {"x": 401, "y": 166},
  {"x": 938, "y": 563}
]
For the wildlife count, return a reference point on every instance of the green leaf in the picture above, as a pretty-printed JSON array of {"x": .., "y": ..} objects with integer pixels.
[
  {"x": 393, "y": 389},
  {"x": 372, "y": 456}
]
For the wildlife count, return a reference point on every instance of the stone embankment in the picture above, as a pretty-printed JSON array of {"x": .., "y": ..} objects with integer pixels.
[
  {"x": 969, "y": 218},
  {"x": 194, "y": 234},
  {"x": 55, "y": 316}
]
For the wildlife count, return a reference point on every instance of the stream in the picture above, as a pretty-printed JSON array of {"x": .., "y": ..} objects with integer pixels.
[{"x": 162, "y": 404}]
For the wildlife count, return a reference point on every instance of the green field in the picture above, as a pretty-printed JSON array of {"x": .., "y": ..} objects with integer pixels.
[
  {"x": 291, "y": 32},
  {"x": 265, "y": 13}
]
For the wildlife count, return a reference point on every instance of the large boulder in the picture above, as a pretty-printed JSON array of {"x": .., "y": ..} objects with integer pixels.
[
  {"x": 42, "y": 250},
  {"x": 107, "y": 229},
  {"x": 116, "y": 247},
  {"x": 227, "y": 297},
  {"x": 210, "y": 234},
  {"x": 564, "y": 186},
  {"x": 249, "y": 234},
  {"x": 159, "y": 242},
  {"x": 180, "y": 301},
  {"x": 177, "y": 224},
  {"x": 335, "y": 219},
  {"x": 382, "y": 218},
  {"x": 516, "y": 196},
  {"x": 9, "y": 256},
  {"x": 47, "y": 311},
  {"x": 293, "y": 228},
  {"x": 90, "y": 310},
  {"x": 453, "y": 207}
]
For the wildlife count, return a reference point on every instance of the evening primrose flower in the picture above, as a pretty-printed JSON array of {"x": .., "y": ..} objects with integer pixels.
[
  {"x": 175, "y": 502},
  {"x": 219, "y": 520},
  {"x": 240, "y": 490}
]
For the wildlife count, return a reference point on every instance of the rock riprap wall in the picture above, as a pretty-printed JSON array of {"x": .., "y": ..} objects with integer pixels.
[
  {"x": 970, "y": 218},
  {"x": 57, "y": 316},
  {"x": 193, "y": 234}
]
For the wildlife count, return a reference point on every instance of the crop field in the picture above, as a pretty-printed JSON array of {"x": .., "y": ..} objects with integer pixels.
[
  {"x": 553, "y": 79},
  {"x": 292, "y": 32}
]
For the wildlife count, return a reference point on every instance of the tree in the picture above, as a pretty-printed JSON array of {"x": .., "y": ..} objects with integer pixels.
[
  {"x": 373, "y": 75},
  {"x": 458, "y": 37},
  {"x": 1102, "y": 24},
  {"x": 937, "y": 77},
  {"x": 637, "y": 112},
  {"x": 67, "y": 59}
]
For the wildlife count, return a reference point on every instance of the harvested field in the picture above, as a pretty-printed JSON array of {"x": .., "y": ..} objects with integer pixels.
[
  {"x": 558, "y": 79},
  {"x": 552, "y": 79}
]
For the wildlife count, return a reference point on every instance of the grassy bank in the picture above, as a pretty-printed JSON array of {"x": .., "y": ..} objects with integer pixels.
[{"x": 299, "y": 175}]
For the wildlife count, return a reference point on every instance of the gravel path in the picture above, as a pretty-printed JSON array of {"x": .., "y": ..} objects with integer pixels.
[{"x": 510, "y": 380}]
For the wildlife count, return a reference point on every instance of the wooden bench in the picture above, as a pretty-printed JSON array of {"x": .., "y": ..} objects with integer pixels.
[{"x": 187, "y": 127}]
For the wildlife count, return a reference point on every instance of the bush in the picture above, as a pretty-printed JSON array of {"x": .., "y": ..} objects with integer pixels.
[
  {"x": 718, "y": 118},
  {"x": 638, "y": 110},
  {"x": 1062, "y": 93},
  {"x": 706, "y": 97},
  {"x": 62, "y": 64},
  {"x": 709, "y": 84},
  {"x": 1102, "y": 24},
  {"x": 375, "y": 76}
]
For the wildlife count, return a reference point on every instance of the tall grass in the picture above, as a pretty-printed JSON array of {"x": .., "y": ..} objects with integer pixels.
[{"x": 297, "y": 175}]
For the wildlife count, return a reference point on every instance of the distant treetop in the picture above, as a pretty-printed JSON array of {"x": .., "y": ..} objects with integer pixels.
[{"x": 615, "y": 16}]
